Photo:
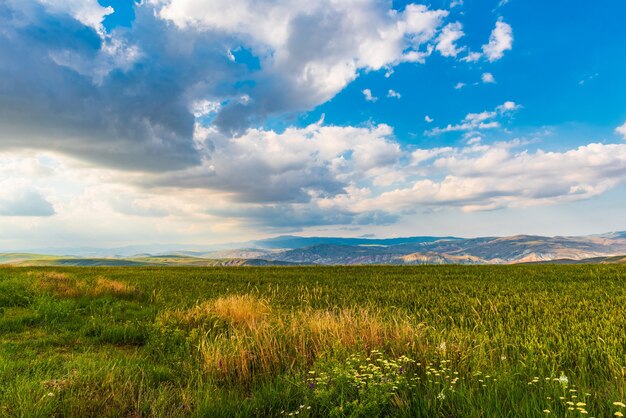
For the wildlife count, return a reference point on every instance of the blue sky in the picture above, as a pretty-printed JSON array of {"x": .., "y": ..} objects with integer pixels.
[{"x": 197, "y": 121}]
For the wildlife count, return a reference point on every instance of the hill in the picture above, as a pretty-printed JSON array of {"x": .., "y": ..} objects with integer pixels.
[{"x": 289, "y": 250}]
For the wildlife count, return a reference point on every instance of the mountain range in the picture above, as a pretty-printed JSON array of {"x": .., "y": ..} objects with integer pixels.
[{"x": 295, "y": 250}]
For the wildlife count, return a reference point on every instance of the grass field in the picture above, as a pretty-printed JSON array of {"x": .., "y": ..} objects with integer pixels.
[{"x": 492, "y": 341}]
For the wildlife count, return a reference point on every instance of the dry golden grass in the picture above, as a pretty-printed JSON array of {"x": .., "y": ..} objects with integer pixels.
[
  {"x": 59, "y": 284},
  {"x": 106, "y": 286},
  {"x": 241, "y": 309},
  {"x": 62, "y": 285},
  {"x": 236, "y": 310},
  {"x": 260, "y": 340}
]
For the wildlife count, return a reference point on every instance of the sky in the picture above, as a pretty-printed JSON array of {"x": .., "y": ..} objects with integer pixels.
[{"x": 204, "y": 121}]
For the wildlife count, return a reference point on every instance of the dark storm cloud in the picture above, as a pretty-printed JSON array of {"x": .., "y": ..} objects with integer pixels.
[{"x": 123, "y": 102}]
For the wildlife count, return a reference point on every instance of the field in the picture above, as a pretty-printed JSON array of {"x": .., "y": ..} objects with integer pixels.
[{"x": 492, "y": 341}]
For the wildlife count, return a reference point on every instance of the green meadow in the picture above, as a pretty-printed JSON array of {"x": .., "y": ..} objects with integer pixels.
[{"x": 428, "y": 341}]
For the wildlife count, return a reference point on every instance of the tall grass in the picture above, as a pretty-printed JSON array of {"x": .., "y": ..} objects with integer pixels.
[{"x": 360, "y": 341}]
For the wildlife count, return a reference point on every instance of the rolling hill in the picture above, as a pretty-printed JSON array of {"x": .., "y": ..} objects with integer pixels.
[{"x": 290, "y": 250}]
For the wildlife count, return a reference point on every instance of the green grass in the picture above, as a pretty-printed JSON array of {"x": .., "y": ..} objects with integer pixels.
[{"x": 448, "y": 341}]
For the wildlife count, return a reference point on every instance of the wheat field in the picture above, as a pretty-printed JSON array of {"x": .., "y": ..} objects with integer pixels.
[{"x": 430, "y": 341}]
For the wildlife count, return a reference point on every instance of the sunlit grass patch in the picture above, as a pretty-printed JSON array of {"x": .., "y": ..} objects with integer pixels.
[
  {"x": 234, "y": 310},
  {"x": 110, "y": 287},
  {"x": 66, "y": 286},
  {"x": 259, "y": 340},
  {"x": 59, "y": 284},
  {"x": 241, "y": 309}
]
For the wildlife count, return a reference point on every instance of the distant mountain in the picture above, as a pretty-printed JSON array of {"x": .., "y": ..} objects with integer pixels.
[
  {"x": 121, "y": 252},
  {"x": 487, "y": 250},
  {"x": 620, "y": 259},
  {"x": 293, "y": 242},
  {"x": 246, "y": 253},
  {"x": 292, "y": 250},
  {"x": 612, "y": 235},
  {"x": 35, "y": 260}
]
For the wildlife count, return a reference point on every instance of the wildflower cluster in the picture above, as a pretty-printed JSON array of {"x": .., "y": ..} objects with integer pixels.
[
  {"x": 367, "y": 384},
  {"x": 571, "y": 400},
  {"x": 365, "y": 372}
]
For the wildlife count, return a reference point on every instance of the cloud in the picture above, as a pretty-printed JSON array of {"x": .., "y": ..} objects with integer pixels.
[
  {"x": 428, "y": 119},
  {"x": 488, "y": 78},
  {"x": 446, "y": 41},
  {"x": 459, "y": 85},
  {"x": 309, "y": 51},
  {"x": 295, "y": 217},
  {"x": 367, "y": 93},
  {"x": 327, "y": 175},
  {"x": 481, "y": 177},
  {"x": 127, "y": 99},
  {"x": 479, "y": 121},
  {"x": 501, "y": 40},
  {"x": 88, "y": 12},
  {"x": 621, "y": 130},
  {"x": 16, "y": 201},
  {"x": 263, "y": 166},
  {"x": 394, "y": 94},
  {"x": 169, "y": 116},
  {"x": 472, "y": 57}
]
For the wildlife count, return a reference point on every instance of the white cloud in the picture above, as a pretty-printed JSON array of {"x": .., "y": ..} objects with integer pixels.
[
  {"x": 17, "y": 200},
  {"x": 264, "y": 166},
  {"x": 428, "y": 119},
  {"x": 492, "y": 177},
  {"x": 88, "y": 12},
  {"x": 508, "y": 106},
  {"x": 446, "y": 41},
  {"x": 367, "y": 93},
  {"x": 621, "y": 130},
  {"x": 459, "y": 85},
  {"x": 488, "y": 78},
  {"x": 394, "y": 94},
  {"x": 314, "y": 49},
  {"x": 479, "y": 121},
  {"x": 472, "y": 57},
  {"x": 501, "y": 40}
]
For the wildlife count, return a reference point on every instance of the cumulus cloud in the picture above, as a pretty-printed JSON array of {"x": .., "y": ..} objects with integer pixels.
[
  {"x": 459, "y": 85},
  {"x": 501, "y": 40},
  {"x": 309, "y": 51},
  {"x": 88, "y": 12},
  {"x": 621, "y": 130},
  {"x": 20, "y": 201},
  {"x": 446, "y": 41},
  {"x": 168, "y": 113},
  {"x": 479, "y": 121},
  {"x": 428, "y": 119},
  {"x": 128, "y": 99},
  {"x": 367, "y": 93},
  {"x": 314, "y": 161},
  {"x": 488, "y": 78},
  {"x": 394, "y": 94},
  {"x": 472, "y": 57},
  {"x": 488, "y": 177}
]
